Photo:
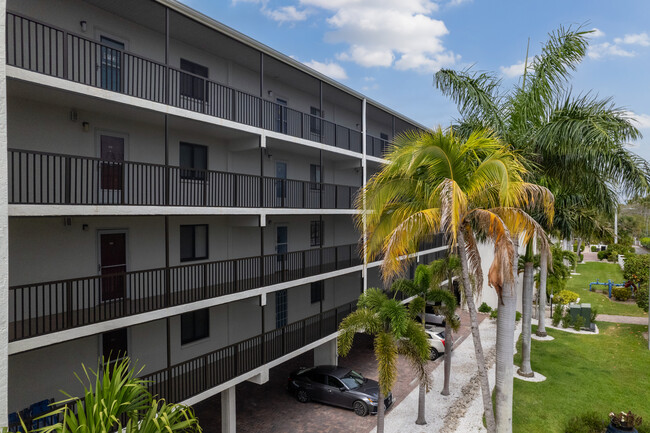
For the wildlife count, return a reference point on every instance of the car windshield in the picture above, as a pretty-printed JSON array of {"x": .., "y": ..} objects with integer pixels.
[{"x": 353, "y": 379}]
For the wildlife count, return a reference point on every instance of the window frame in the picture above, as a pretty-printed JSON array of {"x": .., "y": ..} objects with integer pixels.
[
  {"x": 193, "y": 80},
  {"x": 193, "y": 172},
  {"x": 315, "y": 176},
  {"x": 207, "y": 242},
  {"x": 196, "y": 317},
  {"x": 316, "y": 233},
  {"x": 318, "y": 289}
]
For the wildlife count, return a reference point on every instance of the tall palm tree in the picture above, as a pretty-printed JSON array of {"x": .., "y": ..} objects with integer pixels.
[
  {"x": 435, "y": 182},
  {"x": 115, "y": 400},
  {"x": 425, "y": 287},
  {"x": 571, "y": 142},
  {"x": 395, "y": 332}
]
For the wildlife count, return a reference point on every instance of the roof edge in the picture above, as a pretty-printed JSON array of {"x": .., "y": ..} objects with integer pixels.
[{"x": 247, "y": 40}]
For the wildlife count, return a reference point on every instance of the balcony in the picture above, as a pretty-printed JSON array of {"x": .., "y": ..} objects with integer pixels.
[
  {"x": 38, "y": 47},
  {"x": 46, "y": 307},
  {"x": 182, "y": 381},
  {"x": 49, "y": 178}
]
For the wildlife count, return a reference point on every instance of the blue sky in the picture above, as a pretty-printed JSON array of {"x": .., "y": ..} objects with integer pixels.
[{"x": 390, "y": 49}]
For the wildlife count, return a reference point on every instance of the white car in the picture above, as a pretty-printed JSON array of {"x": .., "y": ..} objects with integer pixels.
[{"x": 437, "y": 341}]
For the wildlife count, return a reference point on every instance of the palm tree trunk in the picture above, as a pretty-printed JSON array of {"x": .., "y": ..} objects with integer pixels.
[
  {"x": 505, "y": 350},
  {"x": 476, "y": 337},
  {"x": 380, "y": 412},
  {"x": 543, "y": 272},
  {"x": 448, "y": 337},
  {"x": 421, "y": 400},
  {"x": 527, "y": 311},
  {"x": 578, "y": 253}
]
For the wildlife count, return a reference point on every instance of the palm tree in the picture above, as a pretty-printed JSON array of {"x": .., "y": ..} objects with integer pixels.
[
  {"x": 395, "y": 332},
  {"x": 436, "y": 182},
  {"x": 115, "y": 400},
  {"x": 424, "y": 289},
  {"x": 574, "y": 143},
  {"x": 441, "y": 269}
]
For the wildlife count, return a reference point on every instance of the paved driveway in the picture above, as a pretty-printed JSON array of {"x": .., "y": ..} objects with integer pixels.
[{"x": 270, "y": 408}]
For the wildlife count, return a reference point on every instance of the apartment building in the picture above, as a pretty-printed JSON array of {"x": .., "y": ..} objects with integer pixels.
[{"x": 174, "y": 191}]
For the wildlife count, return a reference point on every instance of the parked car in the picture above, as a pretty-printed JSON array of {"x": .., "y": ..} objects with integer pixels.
[
  {"x": 338, "y": 386},
  {"x": 431, "y": 317},
  {"x": 437, "y": 341}
]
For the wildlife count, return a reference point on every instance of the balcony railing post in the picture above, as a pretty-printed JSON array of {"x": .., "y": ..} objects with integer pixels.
[
  {"x": 235, "y": 191},
  {"x": 65, "y": 55},
  {"x": 235, "y": 276},
  {"x": 236, "y": 359},
  {"x": 304, "y": 264},
  {"x": 336, "y": 197},
  {"x": 336, "y": 258},
  {"x": 303, "y": 195},
  {"x": 233, "y": 105},
  {"x": 68, "y": 179},
  {"x": 68, "y": 304},
  {"x": 206, "y": 382},
  {"x": 304, "y": 332},
  {"x": 284, "y": 342},
  {"x": 205, "y": 281},
  {"x": 168, "y": 292}
]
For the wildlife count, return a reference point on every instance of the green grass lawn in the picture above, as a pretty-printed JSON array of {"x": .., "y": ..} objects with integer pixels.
[
  {"x": 603, "y": 271},
  {"x": 609, "y": 372}
]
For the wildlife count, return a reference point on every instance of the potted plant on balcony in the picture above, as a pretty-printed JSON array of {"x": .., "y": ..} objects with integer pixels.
[{"x": 623, "y": 422}]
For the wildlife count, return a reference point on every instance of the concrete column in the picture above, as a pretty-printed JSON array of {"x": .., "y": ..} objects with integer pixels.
[
  {"x": 4, "y": 227},
  {"x": 228, "y": 411},
  {"x": 364, "y": 174},
  {"x": 326, "y": 354}
]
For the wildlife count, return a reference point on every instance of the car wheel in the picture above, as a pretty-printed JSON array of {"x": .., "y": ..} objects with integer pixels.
[
  {"x": 301, "y": 396},
  {"x": 360, "y": 408},
  {"x": 434, "y": 354}
]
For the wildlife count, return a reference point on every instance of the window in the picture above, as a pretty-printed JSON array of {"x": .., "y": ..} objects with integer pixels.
[
  {"x": 316, "y": 234},
  {"x": 195, "y": 325},
  {"x": 193, "y": 160},
  {"x": 280, "y": 308},
  {"x": 281, "y": 115},
  {"x": 111, "y": 63},
  {"x": 314, "y": 176},
  {"x": 315, "y": 122},
  {"x": 193, "y": 86},
  {"x": 317, "y": 292},
  {"x": 114, "y": 344},
  {"x": 194, "y": 242},
  {"x": 384, "y": 142}
]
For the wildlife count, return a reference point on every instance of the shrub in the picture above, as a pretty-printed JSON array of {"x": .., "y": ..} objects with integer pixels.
[
  {"x": 645, "y": 242},
  {"x": 636, "y": 269},
  {"x": 602, "y": 255},
  {"x": 581, "y": 257},
  {"x": 594, "y": 313},
  {"x": 642, "y": 298},
  {"x": 517, "y": 316},
  {"x": 494, "y": 313},
  {"x": 566, "y": 320},
  {"x": 621, "y": 293},
  {"x": 594, "y": 248},
  {"x": 578, "y": 323},
  {"x": 590, "y": 422},
  {"x": 557, "y": 316},
  {"x": 484, "y": 308},
  {"x": 566, "y": 297}
]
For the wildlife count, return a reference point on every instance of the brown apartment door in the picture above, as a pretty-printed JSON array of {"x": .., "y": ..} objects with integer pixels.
[
  {"x": 113, "y": 265},
  {"x": 112, "y": 155}
]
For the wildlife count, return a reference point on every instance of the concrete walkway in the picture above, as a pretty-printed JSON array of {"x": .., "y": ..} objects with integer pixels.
[
  {"x": 622, "y": 319},
  {"x": 462, "y": 410}
]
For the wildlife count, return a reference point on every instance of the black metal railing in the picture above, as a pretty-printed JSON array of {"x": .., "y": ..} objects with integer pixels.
[
  {"x": 376, "y": 146},
  {"x": 182, "y": 381},
  {"x": 42, "y": 308},
  {"x": 53, "y": 51},
  {"x": 49, "y": 178}
]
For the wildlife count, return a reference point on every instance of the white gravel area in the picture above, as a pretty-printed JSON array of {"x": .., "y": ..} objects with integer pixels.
[
  {"x": 537, "y": 377},
  {"x": 462, "y": 410},
  {"x": 538, "y": 338}
]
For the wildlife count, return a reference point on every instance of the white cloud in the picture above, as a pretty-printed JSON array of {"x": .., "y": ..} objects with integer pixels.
[
  {"x": 331, "y": 69},
  {"x": 618, "y": 47},
  {"x": 634, "y": 39},
  {"x": 512, "y": 71},
  {"x": 606, "y": 50},
  {"x": 381, "y": 33},
  {"x": 642, "y": 120},
  {"x": 596, "y": 33},
  {"x": 287, "y": 14},
  {"x": 459, "y": 2}
]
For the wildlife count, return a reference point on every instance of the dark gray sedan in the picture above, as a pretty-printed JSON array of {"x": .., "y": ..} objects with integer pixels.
[{"x": 338, "y": 386}]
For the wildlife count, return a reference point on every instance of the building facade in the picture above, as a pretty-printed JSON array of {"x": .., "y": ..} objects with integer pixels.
[{"x": 176, "y": 192}]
